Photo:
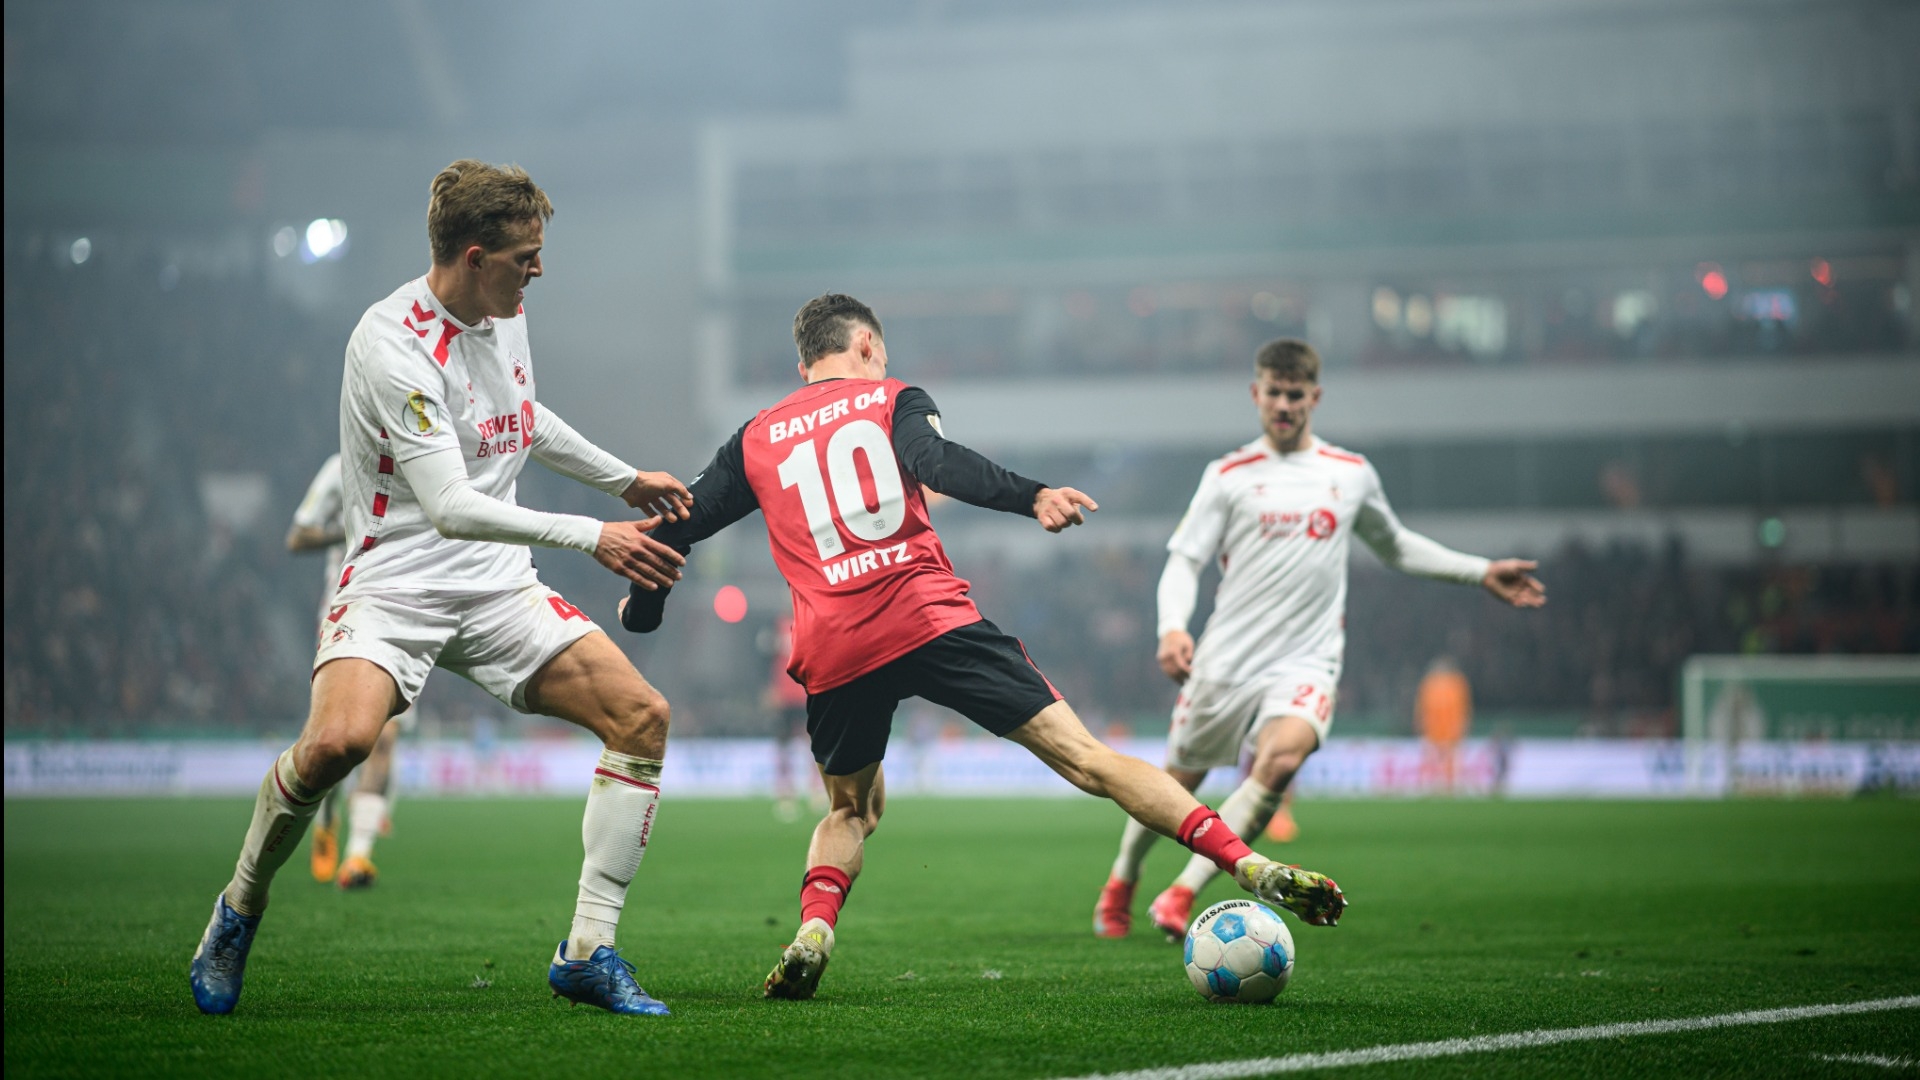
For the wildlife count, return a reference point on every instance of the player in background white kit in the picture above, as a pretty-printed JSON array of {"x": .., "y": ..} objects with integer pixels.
[
  {"x": 1278, "y": 515},
  {"x": 437, "y": 418},
  {"x": 319, "y": 524}
]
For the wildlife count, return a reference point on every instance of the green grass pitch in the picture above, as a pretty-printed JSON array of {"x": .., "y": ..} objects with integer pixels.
[{"x": 1468, "y": 918}]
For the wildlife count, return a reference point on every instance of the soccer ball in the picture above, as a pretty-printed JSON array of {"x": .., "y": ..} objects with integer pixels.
[{"x": 1239, "y": 951}]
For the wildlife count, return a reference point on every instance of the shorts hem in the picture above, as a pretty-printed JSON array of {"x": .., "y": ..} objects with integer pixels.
[{"x": 381, "y": 655}]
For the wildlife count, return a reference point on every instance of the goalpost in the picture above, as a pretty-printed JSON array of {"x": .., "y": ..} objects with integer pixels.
[{"x": 1730, "y": 701}]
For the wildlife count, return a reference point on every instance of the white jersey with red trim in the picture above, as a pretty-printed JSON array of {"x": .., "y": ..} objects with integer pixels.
[
  {"x": 418, "y": 380},
  {"x": 1280, "y": 526},
  {"x": 322, "y": 508}
]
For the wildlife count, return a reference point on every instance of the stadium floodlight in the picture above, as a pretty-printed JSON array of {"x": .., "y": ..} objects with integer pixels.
[
  {"x": 326, "y": 238},
  {"x": 284, "y": 241},
  {"x": 80, "y": 251},
  {"x": 1730, "y": 701}
]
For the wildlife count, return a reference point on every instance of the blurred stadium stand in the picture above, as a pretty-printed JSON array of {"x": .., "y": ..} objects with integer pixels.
[{"x": 1629, "y": 287}]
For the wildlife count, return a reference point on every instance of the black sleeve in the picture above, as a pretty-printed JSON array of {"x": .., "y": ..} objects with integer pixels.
[
  {"x": 721, "y": 496},
  {"x": 950, "y": 468}
]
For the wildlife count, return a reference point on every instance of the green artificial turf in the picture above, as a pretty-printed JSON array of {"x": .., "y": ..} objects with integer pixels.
[{"x": 1468, "y": 918}]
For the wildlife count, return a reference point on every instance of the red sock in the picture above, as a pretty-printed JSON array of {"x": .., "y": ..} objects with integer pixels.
[
  {"x": 822, "y": 892},
  {"x": 1206, "y": 835}
]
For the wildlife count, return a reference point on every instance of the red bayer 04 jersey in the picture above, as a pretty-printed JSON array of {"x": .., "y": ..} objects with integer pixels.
[{"x": 849, "y": 530}]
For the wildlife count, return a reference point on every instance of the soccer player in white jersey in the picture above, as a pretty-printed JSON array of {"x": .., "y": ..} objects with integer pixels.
[
  {"x": 1277, "y": 514},
  {"x": 319, "y": 524},
  {"x": 437, "y": 418}
]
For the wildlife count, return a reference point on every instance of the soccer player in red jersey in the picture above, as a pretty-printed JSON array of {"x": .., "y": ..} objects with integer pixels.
[{"x": 837, "y": 468}]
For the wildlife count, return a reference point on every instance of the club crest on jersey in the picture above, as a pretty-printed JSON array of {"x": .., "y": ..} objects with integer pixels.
[
  {"x": 422, "y": 410},
  {"x": 519, "y": 370}
]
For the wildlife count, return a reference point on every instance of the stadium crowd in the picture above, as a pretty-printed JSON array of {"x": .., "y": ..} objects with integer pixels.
[
  {"x": 1211, "y": 328},
  {"x": 146, "y": 590}
]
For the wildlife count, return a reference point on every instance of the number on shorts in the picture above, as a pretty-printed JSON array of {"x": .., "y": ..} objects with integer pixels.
[
  {"x": 565, "y": 610},
  {"x": 1303, "y": 698},
  {"x": 801, "y": 470}
]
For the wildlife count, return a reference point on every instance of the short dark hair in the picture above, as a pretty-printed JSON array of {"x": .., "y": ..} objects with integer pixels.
[
  {"x": 824, "y": 325},
  {"x": 1288, "y": 358}
]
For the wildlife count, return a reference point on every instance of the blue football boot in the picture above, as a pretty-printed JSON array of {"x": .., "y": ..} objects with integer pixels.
[
  {"x": 220, "y": 963},
  {"x": 604, "y": 979}
]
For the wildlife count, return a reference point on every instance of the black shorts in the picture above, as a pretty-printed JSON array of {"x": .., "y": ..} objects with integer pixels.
[{"x": 975, "y": 670}]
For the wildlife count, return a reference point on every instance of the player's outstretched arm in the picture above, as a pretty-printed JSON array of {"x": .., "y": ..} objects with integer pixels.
[
  {"x": 560, "y": 448},
  {"x": 458, "y": 512},
  {"x": 1178, "y": 592},
  {"x": 951, "y": 469},
  {"x": 720, "y": 496},
  {"x": 1405, "y": 550}
]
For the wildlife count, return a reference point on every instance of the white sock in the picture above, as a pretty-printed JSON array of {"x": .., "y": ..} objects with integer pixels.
[
  {"x": 1246, "y": 812},
  {"x": 619, "y": 818},
  {"x": 365, "y": 811},
  {"x": 1134, "y": 844},
  {"x": 281, "y": 812}
]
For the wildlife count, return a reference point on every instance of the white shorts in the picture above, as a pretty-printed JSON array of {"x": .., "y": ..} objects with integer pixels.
[
  {"x": 497, "y": 640},
  {"x": 1214, "y": 723}
]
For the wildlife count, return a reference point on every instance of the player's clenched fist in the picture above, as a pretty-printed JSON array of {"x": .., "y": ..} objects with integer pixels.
[
  {"x": 659, "y": 494},
  {"x": 1059, "y": 508},
  {"x": 1176, "y": 655},
  {"x": 627, "y": 550}
]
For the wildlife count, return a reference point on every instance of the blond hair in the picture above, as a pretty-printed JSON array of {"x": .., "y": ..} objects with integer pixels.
[{"x": 472, "y": 202}]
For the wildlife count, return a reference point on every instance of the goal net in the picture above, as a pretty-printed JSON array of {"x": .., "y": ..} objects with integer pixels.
[{"x": 1800, "y": 724}]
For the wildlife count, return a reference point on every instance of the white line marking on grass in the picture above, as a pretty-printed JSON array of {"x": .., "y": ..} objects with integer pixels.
[
  {"x": 1870, "y": 1059},
  {"x": 1519, "y": 1040}
]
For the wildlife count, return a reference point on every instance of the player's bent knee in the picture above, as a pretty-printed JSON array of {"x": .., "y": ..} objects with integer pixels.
[
  {"x": 331, "y": 752},
  {"x": 641, "y": 716}
]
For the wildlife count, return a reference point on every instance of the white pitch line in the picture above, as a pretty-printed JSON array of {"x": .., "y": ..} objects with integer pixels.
[
  {"x": 1870, "y": 1059},
  {"x": 1519, "y": 1040}
]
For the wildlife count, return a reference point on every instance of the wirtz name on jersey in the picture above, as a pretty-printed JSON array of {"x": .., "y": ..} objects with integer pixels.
[{"x": 867, "y": 561}]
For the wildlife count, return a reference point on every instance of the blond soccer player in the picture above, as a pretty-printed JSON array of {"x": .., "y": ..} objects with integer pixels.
[
  {"x": 1277, "y": 515},
  {"x": 437, "y": 418}
]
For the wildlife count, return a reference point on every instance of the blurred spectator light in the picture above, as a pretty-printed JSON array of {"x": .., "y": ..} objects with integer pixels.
[
  {"x": 1773, "y": 532},
  {"x": 326, "y": 239},
  {"x": 1771, "y": 305},
  {"x": 285, "y": 240},
  {"x": 1419, "y": 316},
  {"x": 1265, "y": 306},
  {"x": 1632, "y": 308},
  {"x": 1713, "y": 280},
  {"x": 1477, "y": 324},
  {"x": 1140, "y": 301},
  {"x": 730, "y": 604},
  {"x": 1386, "y": 309},
  {"x": 80, "y": 251},
  {"x": 1822, "y": 272}
]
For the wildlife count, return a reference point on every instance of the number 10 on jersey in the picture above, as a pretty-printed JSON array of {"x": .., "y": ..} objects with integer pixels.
[{"x": 801, "y": 470}]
